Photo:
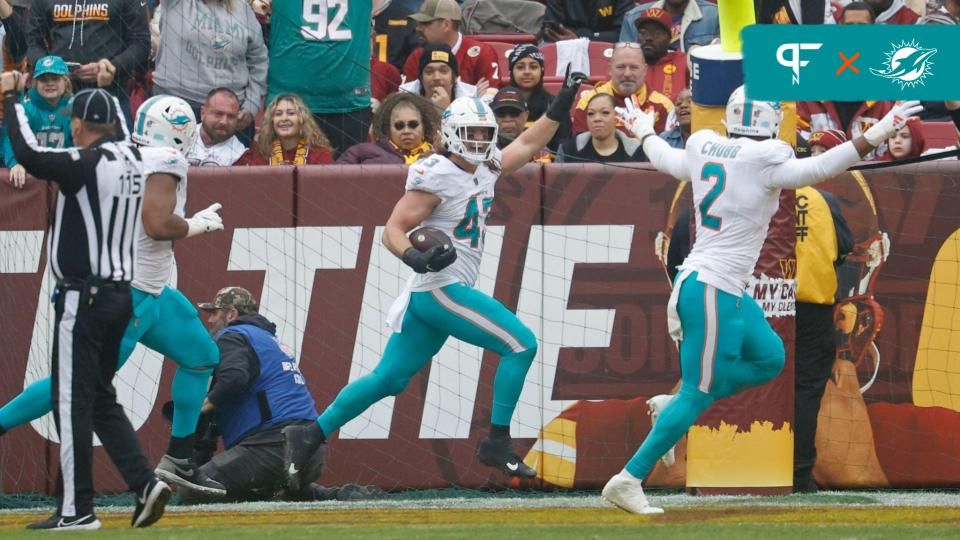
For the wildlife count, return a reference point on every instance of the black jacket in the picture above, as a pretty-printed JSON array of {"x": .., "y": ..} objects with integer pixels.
[
  {"x": 239, "y": 366},
  {"x": 598, "y": 20},
  {"x": 86, "y": 31}
]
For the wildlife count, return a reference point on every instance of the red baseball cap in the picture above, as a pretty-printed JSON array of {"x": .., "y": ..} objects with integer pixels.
[{"x": 658, "y": 15}]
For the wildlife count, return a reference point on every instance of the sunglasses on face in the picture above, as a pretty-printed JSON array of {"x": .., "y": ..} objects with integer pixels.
[{"x": 411, "y": 124}]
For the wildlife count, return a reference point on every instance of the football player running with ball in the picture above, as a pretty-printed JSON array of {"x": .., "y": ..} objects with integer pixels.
[
  {"x": 451, "y": 192},
  {"x": 726, "y": 344}
]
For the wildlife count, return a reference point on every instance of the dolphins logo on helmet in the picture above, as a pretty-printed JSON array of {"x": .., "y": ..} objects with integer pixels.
[{"x": 165, "y": 121}]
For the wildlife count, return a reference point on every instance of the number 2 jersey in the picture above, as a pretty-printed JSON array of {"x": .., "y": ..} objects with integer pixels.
[
  {"x": 155, "y": 257},
  {"x": 465, "y": 201},
  {"x": 320, "y": 50},
  {"x": 734, "y": 200}
]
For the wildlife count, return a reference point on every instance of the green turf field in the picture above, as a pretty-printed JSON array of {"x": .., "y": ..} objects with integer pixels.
[{"x": 557, "y": 516}]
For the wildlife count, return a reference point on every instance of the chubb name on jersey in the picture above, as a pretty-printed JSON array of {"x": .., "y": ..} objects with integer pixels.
[{"x": 719, "y": 150}]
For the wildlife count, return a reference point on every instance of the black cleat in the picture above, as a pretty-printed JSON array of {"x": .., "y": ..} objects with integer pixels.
[
  {"x": 300, "y": 446},
  {"x": 498, "y": 453},
  {"x": 55, "y": 522},
  {"x": 151, "y": 501},
  {"x": 185, "y": 473}
]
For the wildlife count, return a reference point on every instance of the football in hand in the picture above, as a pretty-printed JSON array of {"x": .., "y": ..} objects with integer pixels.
[{"x": 425, "y": 238}]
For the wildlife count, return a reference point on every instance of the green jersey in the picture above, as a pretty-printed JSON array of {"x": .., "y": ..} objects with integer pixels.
[{"x": 320, "y": 50}]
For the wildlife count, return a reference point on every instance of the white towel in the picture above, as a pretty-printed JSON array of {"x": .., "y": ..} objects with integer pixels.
[
  {"x": 673, "y": 317},
  {"x": 399, "y": 307},
  {"x": 575, "y": 52}
]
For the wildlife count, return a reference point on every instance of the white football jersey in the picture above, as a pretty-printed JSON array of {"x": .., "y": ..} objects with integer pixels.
[
  {"x": 155, "y": 257},
  {"x": 734, "y": 202},
  {"x": 465, "y": 201}
]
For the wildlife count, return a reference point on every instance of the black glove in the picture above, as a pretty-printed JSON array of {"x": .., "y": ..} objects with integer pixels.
[
  {"x": 561, "y": 105},
  {"x": 431, "y": 260}
]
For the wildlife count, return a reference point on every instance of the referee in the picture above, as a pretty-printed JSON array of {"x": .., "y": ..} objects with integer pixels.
[{"x": 91, "y": 247}]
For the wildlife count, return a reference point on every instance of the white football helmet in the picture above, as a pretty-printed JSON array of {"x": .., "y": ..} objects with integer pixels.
[
  {"x": 752, "y": 118},
  {"x": 165, "y": 121},
  {"x": 455, "y": 124}
]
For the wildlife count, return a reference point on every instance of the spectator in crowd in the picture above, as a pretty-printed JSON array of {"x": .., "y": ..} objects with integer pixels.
[
  {"x": 598, "y": 20},
  {"x": 858, "y": 13},
  {"x": 604, "y": 143},
  {"x": 326, "y": 64},
  {"x": 954, "y": 108},
  {"x": 526, "y": 74},
  {"x": 851, "y": 117},
  {"x": 384, "y": 80},
  {"x": 948, "y": 13},
  {"x": 512, "y": 115},
  {"x": 110, "y": 40},
  {"x": 628, "y": 72},
  {"x": 438, "y": 77},
  {"x": 666, "y": 70},
  {"x": 793, "y": 12},
  {"x": 217, "y": 145},
  {"x": 893, "y": 12},
  {"x": 288, "y": 136},
  {"x": 205, "y": 44},
  {"x": 695, "y": 22},
  {"x": 404, "y": 131},
  {"x": 396, "y": 34},
  {"x": 821, "y": 141},
  {"x": 48, "y": 113},
  {"x": 683, "y": 109},
  {"x": 257, "y": 392},
  {"x": 13, "y": 14},
  {"x": 438, "y": 21},
  {"x": 907, "y": 142}
]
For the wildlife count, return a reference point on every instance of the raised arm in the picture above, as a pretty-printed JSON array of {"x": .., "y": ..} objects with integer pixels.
[
  {"x": 663, "y": 157},
  {"x": 795, "y": 173},
  {"x": 533, "y": 139},
  {"x": 69, "y": 167}
]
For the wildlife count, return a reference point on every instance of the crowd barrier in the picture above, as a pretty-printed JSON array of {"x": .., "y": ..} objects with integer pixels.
[{"x": 571, "y": 249}]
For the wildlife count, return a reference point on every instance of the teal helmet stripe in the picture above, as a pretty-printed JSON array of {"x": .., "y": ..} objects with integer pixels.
[
  {"x": 747, "y": 112},
  {"x": 142, "y": 113}
]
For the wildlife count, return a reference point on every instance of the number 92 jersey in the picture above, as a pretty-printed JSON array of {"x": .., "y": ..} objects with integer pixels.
[
  {"x": 465, "y": 201},
  {"x": 320, "y": 50},
  {"x": 734, "y": 203}
]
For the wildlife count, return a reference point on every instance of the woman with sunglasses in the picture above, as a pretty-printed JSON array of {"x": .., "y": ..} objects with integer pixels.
[
  {"x": 404, "y": 129},
  {"x": 526, "y": 73}
]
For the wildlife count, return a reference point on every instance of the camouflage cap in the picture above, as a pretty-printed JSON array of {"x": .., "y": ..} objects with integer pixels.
[{"x": 232, "y": 297}]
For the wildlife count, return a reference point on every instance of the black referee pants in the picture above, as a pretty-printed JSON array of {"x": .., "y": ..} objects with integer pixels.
[
  {"x": 816, "y": 351},
  {"x": 90, "y": 321}
]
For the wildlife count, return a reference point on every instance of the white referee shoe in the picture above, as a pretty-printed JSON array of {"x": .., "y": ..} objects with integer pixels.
[
  {"x": 656, "y": 404},
  {"x": 626, "y": 492}
]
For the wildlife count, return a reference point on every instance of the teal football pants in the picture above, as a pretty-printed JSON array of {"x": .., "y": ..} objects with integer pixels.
[
  {"x": 167, "y": 323},
  {"x": 432, "y": 316},
  {"x": 727, "y": 347}
]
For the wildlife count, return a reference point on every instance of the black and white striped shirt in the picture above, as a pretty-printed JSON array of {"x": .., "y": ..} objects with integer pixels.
[{"x": 96, "y": 224}]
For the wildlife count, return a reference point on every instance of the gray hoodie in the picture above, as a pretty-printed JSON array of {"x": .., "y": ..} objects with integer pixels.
[{"x": 209, "y": 44}]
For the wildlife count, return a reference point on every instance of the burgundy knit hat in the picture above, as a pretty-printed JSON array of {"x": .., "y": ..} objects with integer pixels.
[{"x": 828, "y": 139}]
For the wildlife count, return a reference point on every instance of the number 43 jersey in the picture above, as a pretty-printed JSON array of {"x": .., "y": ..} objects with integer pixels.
[
  {"x": 734, "y": 203},
  {"x": 320, "y": 50},
  {"x": 465, "y": 201}
]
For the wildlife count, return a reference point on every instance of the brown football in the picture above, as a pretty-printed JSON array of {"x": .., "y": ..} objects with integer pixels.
[{"x": 425, "y": 238}]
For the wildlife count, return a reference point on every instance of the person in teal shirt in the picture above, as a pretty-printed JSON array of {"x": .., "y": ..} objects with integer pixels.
[{"x": 47, "y": 104}]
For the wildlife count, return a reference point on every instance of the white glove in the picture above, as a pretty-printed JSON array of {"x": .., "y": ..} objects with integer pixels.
[
  {"x": 891, "y": 123},
  {"x": 635, "y": 119},
  {"x": 204, "y": 221}
]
